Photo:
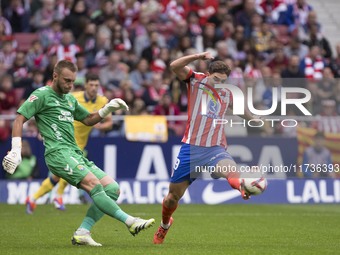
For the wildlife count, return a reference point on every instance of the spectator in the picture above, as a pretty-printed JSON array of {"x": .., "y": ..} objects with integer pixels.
[
  {"x": 326, "y": 85},
  {"x": 226, "y": 29},
  {"x": 317, "y": 39},
  {"x": 99, "y": 55},
  {"x": 180, "y": 30},
  {"x": 5, "y": 129},
  {"x": 272, "y": 10},
  {"x": 313, "y": 64},
  {"x": 44, "y": 16},
  {"x": 195, "y": 29},
  {"x": 8, "y": 100},
  {"x": 77, "y": 19},
  {"x": 236, "y": 44},
  {"x": 292, "y": 75},
  {"x": 185, "y": 43},
  {"x": 295, "y": 47},
  {"x": 120, "y": 39},
  {"x": 52, "y": 60},
  {"x": 106, "y": 10},
  {"x": 82, "y": 69},
  {"x": 67, "y": 49},
  {"x": 20, "y": 71},
  {"x": 154, "y": 92},
  {"x": 166, "y": 107},
  {"x": 128, "y": 12},
  {"x": 7, "y": 55},
  {"x": 51, "y": 35},
  {"x": 315, "y": 156},
  {"x": 243, "y": 17},
  {"x": 17, "y": 16},
  {"x": 205, "y": 9},
  {"x": 141, "y": 76},
  {"x": 279, "y": 61},
  {"x": 5, "y": 29},
  {"x": 28, "y": 168},
  {"x": 336, "y": 96},
  {"x": 301, "y": 10},
  {"x": 220, "y": 15},
  {"x": 236, "y": 74},
  {"x": 326, "y": 121},
  {"x": 112, "y": 74},
  {"x": 304, "y": 30},
  {"x": 209, "y": 37},
  {"x": 262, "y": 37},
  {"x": 35, "y": 57},
  {"x": 87, "y": 40},
  {"x": 152, "y": 52},
  {"x": 36, "y": 82},
  {"x": 179, "y": 94},
  {"x": 222, "y": 51},
  {"x": 335, "y": 62},
  {"x": 139, "y": 108}
]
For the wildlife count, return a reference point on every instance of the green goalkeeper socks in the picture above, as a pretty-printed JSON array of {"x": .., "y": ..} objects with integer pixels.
[
  {"x": 93, "y": 213},
  {"x": 106, "y": 204}
]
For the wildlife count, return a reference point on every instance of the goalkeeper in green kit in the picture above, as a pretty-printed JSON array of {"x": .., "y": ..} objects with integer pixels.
[{"x": 55, "y": 110}]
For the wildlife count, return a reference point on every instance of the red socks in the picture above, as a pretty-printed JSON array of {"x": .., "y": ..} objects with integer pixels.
[
  {"x": 167, "y": 212},
  {"x": 234, "y": 180}
]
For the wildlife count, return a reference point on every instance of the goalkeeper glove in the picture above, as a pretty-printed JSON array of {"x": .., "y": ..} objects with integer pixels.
[
  {"x": 113, "y": 105},
  {"x": 13, "y": 158}
]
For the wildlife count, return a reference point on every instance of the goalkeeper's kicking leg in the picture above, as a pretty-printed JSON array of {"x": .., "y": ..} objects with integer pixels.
[
  {"x": 104, "y": 194},
  {"x": 82, "y": 236},
  {"x": 80, "y": 172}
]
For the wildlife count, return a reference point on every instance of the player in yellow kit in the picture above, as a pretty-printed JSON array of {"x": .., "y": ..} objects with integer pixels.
[{"x": 92, "y": 102}]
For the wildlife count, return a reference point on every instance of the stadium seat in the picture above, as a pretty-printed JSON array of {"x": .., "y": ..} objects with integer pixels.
[{"x": 24, "y": 40}]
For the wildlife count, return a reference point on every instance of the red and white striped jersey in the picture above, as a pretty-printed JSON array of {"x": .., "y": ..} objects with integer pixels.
[
  {"x": 201, "y": 129},
  {"x": 65, "y": 52}
]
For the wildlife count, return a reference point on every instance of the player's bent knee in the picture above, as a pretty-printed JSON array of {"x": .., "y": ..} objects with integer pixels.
[
  {"x": 89, "y": 182},
  {"x": 172, "y": 198},
  {"x": 112, "y": 190}
]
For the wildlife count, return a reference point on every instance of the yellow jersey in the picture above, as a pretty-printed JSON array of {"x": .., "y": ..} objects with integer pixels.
[{"x": 81, "y": 131}]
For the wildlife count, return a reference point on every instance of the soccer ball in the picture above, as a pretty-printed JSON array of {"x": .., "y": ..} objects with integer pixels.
[{"x": 254, "y": 186}]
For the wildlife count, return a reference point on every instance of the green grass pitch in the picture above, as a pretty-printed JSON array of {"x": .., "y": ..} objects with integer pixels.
[{"x": 197, "y": 229}]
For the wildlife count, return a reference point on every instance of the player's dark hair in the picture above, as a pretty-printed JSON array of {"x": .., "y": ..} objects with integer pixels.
[
  {"x": 219, "y": 67},
  {"x": 91, "y": 77},
  {"x": 62, "y": 64}
]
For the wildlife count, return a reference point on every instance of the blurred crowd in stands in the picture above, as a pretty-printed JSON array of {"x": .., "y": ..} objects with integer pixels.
[{"x": 130, "y": 43}]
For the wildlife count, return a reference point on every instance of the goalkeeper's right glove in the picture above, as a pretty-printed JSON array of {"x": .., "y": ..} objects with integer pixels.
[
  {"x": 113, "y": 105},
  {"x": 13, "y": 158}
]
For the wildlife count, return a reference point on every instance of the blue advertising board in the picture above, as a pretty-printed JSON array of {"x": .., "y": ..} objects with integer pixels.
[
  {"x": 288, "y": 191},
  {"x": 153, "y": 161}
]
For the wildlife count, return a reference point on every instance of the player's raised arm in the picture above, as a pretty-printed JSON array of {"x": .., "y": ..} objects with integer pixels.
[
  {"x": 112, "y": 106},
  {"x": 180, "y": 68},
  {"x": 13, "y": 158}
]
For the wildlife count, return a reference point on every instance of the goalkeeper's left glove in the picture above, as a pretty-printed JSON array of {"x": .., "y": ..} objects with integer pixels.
[
  {"x": 13, "y": 158},
  {"x": 113, "y": 105}
]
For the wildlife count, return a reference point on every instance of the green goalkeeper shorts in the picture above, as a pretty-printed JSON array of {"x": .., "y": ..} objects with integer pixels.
[{"x": 72, "y": 166}]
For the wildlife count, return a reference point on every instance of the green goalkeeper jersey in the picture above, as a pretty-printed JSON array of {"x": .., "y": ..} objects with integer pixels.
[{"x": 54, "y": 115}]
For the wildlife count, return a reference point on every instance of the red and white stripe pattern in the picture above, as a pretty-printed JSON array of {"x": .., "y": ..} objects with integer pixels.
[
  {"x": 313, "y": 69},
  {"x": 200, "y": 129},
  {"x": 328, "y": 124},
  {"x": 65, "y": 52}
]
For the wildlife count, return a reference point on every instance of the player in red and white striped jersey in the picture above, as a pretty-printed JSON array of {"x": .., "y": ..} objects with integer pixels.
[{"x": 204, "y": 141}]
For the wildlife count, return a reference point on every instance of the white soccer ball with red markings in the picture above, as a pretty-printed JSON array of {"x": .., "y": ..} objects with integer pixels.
[{"x": 254, "y": 186}]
